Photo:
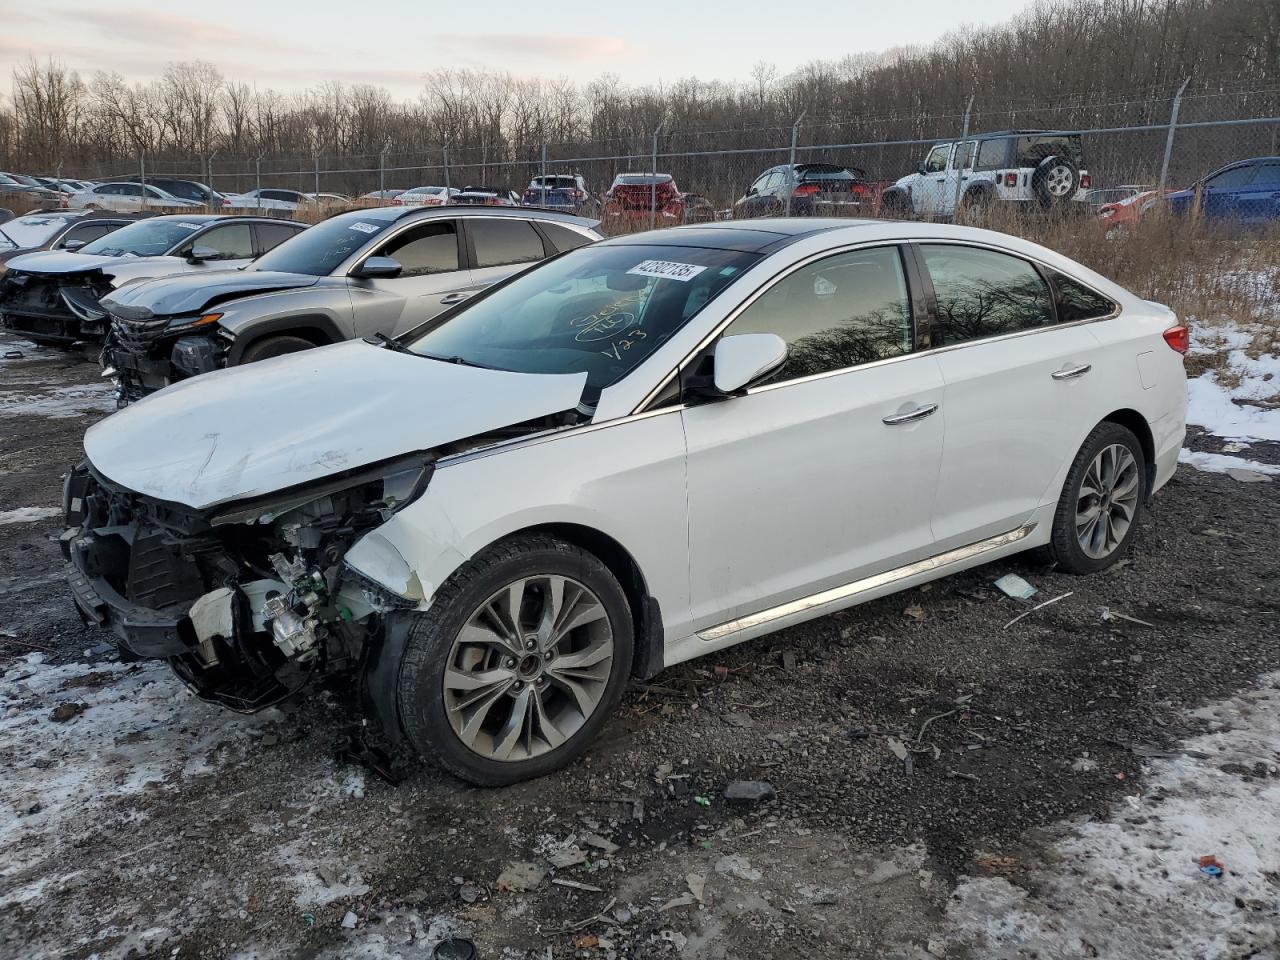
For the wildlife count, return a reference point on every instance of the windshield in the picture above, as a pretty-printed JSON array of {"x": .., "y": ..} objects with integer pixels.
[
  {"x": 421, "y": 190},
  {"x": 146, "y": 238},
  {"x": 599, "y": 310},
  {"x": 319, "y": 250},
  {"x": 30, "y": 231}
]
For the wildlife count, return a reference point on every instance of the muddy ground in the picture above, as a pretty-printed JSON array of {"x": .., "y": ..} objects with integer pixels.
[{"x": 151, "y": 825}]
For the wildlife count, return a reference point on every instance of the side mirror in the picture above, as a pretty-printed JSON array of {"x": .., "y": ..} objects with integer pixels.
[
  {"x": 751, "y": 191},
  {"x": 71, "y": 246},
  {"x": 920, "y": 168},
  {"x": 199, "y": 254},
  {"x": 743, "y": 359},
  {"x": 378, "y": 268}
]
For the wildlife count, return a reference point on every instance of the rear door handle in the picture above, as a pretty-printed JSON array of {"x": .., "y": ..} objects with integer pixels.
[
  {"x": 455, "y": 298},
  {"x": 919, "y": 413},
  {"x": 1072, "y": 372}
]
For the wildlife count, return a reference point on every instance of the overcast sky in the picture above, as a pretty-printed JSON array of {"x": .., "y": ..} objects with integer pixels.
[{"x": 292, "y": 44}]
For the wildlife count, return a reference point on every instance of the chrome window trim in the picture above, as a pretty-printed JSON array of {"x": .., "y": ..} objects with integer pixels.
[
  {"x": 825, "y": 598},
  {"x": 898, "y": 242}
]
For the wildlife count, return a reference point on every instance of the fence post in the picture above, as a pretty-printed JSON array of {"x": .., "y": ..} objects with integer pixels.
[
  {"x": 447, "y": 187},
  {"x": 544, "y": 174},
  {"x": 653, "y": 180},
  {"x": 1168, "y": 143},
  {"x": 791, "y": 166},
  {"x": 257, "y": 176},
  {"x": 142, "y": 175},
  {"x": 208, "y": 170},
  {"x": 382, "y": 169},
  {"x": 959, "y": 157}
]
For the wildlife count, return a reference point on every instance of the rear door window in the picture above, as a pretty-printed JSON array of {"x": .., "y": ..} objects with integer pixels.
[
  {"x": 87, "y": 231},
  {"x": 233, "y": 242},
  {"x": 1078, "y": 302},
  {"x": 428, "y": 248},
  {"x": 984, "y": 293},
  {"x": 271, "y": 235},
  {"x": 501, "y": 242},
  {"x": 1235, "y": 177},
  {"x": 842, "y": 311},
  {"x": 991, "y": 154},
  {"x": 562, "y": 238}
]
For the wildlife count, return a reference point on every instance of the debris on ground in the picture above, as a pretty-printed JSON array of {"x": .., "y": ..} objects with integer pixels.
[
  {"x": 567, "y": 857},
  {"x": 736, "y": 865},
  {"x": 454, "y": 948},
  {"x": 1109, "y": 614},
  {"x": 914, "y": 612},
  {"x": 1012, "y": 585},
  {"x": 1240, "y": 475},
  {"x": 1038, "y": 606},
  {"x": 520, "y": 877},
  {"x": 67, "y": 711},
  {"x": 576, "y": 885},
  {"x": 1211, "y": 866},
  {"x": 601, "y": 843},
  {"x": 350, "y": 920},
  {"x": 749, "y": 791}
]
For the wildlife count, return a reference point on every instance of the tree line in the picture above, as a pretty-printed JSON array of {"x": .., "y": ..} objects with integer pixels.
[{"x": 1081, "y": 60}]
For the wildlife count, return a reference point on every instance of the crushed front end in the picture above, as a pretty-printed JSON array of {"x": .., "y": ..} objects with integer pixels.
[
  {"x": 145, "y": 353},
  {"x": 247, "y": 602},
  {"x": 58, "y": 308}
]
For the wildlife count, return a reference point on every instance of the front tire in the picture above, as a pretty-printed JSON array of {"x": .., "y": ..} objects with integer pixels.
[
  {"x": 518, "y": 663},
  {"x": 1097, "y": 513},
  {"x": 269, "y": 347}
]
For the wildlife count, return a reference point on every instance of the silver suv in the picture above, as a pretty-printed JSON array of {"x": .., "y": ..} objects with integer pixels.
[
  {"x": 358, "y": 274},
  {"x": 1035, "y": 169}
]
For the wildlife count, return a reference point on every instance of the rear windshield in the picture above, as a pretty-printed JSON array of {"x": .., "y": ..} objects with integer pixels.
[
  {"x": 1034, "y": 148},
  {"x": 317, "y": 251},
  {"x": 553, "y": 182},
  {"x": 599, "y": 309},
  {"x": 827, "y": 171},
  {"x": 146, "y": 238},
  {"x": 30, "y": 231}
]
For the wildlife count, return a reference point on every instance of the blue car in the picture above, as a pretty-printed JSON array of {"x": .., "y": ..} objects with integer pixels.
[{"x": 1247, "y": 191}]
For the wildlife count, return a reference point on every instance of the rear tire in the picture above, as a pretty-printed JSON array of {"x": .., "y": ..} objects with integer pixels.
[
  {"x": 269, "y": 347},
  {"x": 1055, "y": 181},
  {"x": 491, "y": 696},
  {"x": 896, "y": 205},
  {"x": 1097, "y": 514}
]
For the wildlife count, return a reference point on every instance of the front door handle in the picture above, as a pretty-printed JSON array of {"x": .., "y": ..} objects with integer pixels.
[
  {"x": 919, "y": 413},
  {"x": 455, "y": 298},
  {"x": 1072, "y": 372}
]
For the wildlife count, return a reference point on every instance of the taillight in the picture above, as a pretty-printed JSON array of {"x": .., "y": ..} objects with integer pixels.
[
  {"x": 807, "y": 189},
  {"x": 1179, "y": 338},
  {"x": 1085, "y": 180},
  {"x": 1010, "y": 179}
]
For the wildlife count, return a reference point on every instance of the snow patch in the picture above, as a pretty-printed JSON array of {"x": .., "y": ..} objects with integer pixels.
[
  {"x": 60, "y": 402},
  {"x": 1131, "y": 886},
  {"x": 139, "y": 729},
  {"x": 1209, "y": 401},
  {"x": 1221, "y": 462},
  {"x": 28, "y": 514}
]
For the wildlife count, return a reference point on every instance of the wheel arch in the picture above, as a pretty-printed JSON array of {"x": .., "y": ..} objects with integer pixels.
[
  {"x": 321, "y": 330},
  {"x": 646, "y": 615},
  {"x": 1136, "y": 423}
]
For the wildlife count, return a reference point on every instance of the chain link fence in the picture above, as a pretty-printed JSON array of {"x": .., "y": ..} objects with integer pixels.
[{"x": 1167, "y": 139}]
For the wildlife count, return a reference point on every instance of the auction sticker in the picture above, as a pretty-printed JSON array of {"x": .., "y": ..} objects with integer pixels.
[
  {"x": 365, "y": 227},
  {"x": 666, "y": 270}
]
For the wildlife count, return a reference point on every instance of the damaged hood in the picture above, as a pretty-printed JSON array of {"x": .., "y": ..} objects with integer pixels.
[
  {"x": 62, "y": 262},
  {"x": 193, "y": 292},
  {"x": 254, "y": 430}
]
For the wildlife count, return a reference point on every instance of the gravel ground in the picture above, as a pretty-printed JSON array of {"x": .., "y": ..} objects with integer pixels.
[{"x": 145, "y": 823}]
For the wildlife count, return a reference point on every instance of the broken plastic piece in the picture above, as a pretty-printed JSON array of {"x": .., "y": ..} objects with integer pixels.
[
  {"x": 1210, "y": 866},
  {"x": 1012, "y": 585}
]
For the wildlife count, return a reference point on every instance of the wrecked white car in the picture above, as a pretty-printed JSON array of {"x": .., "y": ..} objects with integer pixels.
[{"x": 633, "y": 454}]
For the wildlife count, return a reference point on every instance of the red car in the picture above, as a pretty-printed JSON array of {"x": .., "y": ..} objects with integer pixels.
[
  {"x": 633, "y": 196},
  {"x": 1127, "y": 212}
]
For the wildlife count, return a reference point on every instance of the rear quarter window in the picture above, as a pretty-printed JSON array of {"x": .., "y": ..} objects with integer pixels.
[
  {"x": 1078, "y": 302},
  {"x": 562, "y": 238}
]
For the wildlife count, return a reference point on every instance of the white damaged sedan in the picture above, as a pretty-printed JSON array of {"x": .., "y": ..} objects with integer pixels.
[{"x": 636, "y": 453}]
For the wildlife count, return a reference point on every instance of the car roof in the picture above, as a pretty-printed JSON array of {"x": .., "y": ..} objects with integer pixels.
[
  {"x": 203, "y": 218},
  {"x": 761, "y": 236}
]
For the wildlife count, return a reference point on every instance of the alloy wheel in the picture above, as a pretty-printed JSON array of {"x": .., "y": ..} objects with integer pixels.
[
  {"x": 1058, "y": 181},
  {"x": 1107, "y": 501},
  {"x": 528, "y": 668}
]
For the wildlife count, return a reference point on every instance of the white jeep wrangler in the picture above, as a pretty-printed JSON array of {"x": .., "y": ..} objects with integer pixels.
[{"x": 1023, "y": 166}]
